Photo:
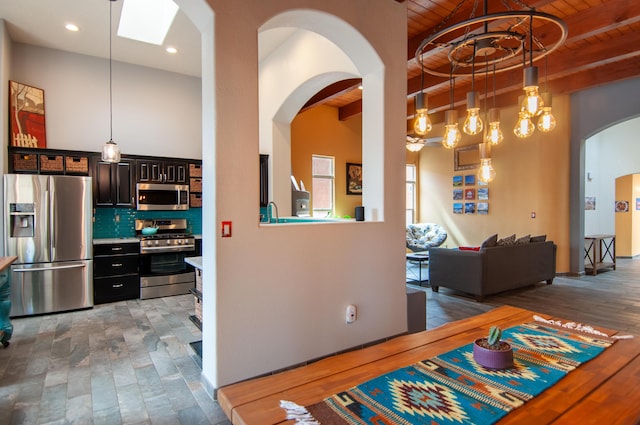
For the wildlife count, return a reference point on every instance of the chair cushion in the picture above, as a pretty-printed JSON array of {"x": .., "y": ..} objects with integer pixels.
[{"x": 422, "y": 236}]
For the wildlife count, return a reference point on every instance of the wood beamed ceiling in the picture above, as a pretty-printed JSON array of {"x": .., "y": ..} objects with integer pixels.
[{"x": 601, "y": 48}]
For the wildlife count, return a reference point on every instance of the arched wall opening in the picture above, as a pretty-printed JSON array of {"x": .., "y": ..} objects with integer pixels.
[{"x": 320, "y": 49}]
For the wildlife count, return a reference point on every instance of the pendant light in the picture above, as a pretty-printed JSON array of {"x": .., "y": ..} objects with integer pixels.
[
  {"x": 110, "y": 150},
  {"x": 422, "y": 123},
  {"x": 473, "y": 124},
  {"x": 452, "y": 135},
  {"x": 524, "y": 126},
  {"x": 532, "y": 103},
  {"x": 494, "y": 134},
  {"x": 547, "y": 121},
  {"x": 486, "y": 173}
]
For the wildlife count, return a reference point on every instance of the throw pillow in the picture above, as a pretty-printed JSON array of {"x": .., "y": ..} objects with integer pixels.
[
  {"x": 509, "y": 240},
  {"x": 469, "y": 248},
  {"x": 490, "y": 241},
  {"x": 540, "y": 238},
  {"x": 523, "y": 240}
]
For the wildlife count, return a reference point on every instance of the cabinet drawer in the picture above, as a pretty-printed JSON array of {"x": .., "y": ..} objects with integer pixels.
[
  {"x": 109, "y": 289},
  {"x": 116, "y": 249},
  {"x": 115, "y": 265}
]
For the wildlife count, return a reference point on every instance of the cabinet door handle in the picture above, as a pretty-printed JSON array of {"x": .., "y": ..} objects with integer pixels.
[
  {"x": 116, "y": 248},
  {"x": 116, "y": 264},
  {"x": 118, "y": 285}
]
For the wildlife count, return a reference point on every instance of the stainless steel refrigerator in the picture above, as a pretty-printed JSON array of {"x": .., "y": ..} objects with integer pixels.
[{"x": 48, "y": 226}]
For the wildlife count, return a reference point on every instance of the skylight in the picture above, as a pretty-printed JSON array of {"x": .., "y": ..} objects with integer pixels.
[{"x": 146, "y": 20}]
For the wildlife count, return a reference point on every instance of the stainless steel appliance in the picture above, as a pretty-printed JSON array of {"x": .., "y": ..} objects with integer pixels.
[
  {"x": 163, "y": 271},
  {"x": 158, "y": 196},
  {"x": 48, "y": 226}
]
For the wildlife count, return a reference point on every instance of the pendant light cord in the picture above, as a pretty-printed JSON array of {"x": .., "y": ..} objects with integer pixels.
[{"x": 110, "y": 76}]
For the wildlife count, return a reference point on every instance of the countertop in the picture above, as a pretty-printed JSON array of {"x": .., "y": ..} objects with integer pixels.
[
  {"x": 194, "y": 261},
  {"x": 105, "y": 241},
  {"x": 6, "y": 262}
]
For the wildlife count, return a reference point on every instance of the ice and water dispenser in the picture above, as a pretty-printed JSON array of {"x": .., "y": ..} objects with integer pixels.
[{"x": 21, "y": 221}]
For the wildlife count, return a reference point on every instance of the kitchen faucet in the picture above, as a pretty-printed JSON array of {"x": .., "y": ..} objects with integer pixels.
[{"x": 269, "y": 212}]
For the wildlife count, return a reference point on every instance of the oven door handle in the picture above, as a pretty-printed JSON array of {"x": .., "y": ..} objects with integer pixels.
[{"x": 179, "y": 248}]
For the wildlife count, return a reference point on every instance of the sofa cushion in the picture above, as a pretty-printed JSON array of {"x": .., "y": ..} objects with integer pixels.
[
  {"x": 509, "y": 240},
  {"x": 490, "y": 241},
  {"x": 540, "y": 238},
  {"x": 523, "y": 240}
]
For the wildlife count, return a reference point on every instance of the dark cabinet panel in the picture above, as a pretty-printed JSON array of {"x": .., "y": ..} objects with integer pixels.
[
  {"x": 264, "y": 180},
  {"x": 115, "y": 272},
  {"x": 118, "y": 288},
  {"x": 113, "y": 184},
  {"x": 158, "y": 171}
]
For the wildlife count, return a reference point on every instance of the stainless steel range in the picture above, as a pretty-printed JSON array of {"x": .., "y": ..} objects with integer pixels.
[{"x": 163, "y": 271}]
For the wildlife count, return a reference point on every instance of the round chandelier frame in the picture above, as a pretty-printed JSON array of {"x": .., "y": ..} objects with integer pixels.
[{"x": 481, "y": 49}]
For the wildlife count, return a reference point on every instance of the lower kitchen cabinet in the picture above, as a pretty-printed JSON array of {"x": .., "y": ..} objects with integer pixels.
[{"x": 115, "y": 272}]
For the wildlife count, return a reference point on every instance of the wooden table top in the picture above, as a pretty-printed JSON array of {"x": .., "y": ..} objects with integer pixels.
[
  {"x": 6, "y": 262},
  {"x": 603, "y": 390}
]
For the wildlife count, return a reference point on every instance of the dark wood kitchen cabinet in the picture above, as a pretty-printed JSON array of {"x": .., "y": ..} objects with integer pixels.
[
  {"x": 160, "y": 171},
  {"x": 115, "y": 272},
  {"x": 113, "y": 184}
]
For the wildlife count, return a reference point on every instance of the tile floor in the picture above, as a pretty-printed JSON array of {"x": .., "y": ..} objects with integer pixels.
[{"x": 120, "y": 363}]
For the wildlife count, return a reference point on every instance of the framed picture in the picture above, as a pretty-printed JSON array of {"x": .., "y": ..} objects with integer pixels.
[
  {"x": 457, "y": 181},
  {"x": 622, "y": 206},
  {"x": 483, "y": 208},
  {"x": 26, "y": 116},
  {"x": 469, "y": 207},
  {"x": 470, "y": 180},
  {"x": 590, "y": 203},
  {"x": 483, "y": 193},
  {"x": 457, "y": 207},
  {"x": 354, "y": 179},
  {"x": 470, "y": 194},
  {"x": 457, "y": 194}
]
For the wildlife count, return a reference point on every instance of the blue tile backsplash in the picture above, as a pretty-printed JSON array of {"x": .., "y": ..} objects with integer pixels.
[{"x": 120, "y": 222}]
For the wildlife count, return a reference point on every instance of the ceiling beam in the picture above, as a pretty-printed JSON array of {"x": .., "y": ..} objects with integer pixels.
[{"x": 332, "y": 91}]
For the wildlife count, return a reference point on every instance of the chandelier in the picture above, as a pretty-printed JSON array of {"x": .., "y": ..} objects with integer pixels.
[
  {"x": 110, "y": 150},
  {"x": 492, "y": 42}
]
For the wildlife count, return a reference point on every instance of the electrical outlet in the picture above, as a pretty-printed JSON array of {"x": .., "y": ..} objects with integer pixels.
[{"x": 351, "y": 314}]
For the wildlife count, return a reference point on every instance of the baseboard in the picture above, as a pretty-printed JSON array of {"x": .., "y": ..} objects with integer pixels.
[{"x": 570, "y": 274}]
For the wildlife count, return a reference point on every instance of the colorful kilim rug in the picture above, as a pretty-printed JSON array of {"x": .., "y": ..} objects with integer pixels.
[{"x": 453, "y": 389}]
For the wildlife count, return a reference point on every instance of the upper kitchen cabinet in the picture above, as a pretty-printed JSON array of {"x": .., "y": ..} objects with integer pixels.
[
  {"x": 161, "y": 171},
  {"x": 113, "y": 184}
]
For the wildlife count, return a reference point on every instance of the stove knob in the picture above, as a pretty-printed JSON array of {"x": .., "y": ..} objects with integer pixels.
[
  {"x": 179, "y": 241},
  {"x": 157, "y": 242},
  {"x": 168, "y": 241}
]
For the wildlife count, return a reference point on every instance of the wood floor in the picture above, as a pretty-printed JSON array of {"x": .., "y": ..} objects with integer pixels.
[{"x": 611, "y": 300}]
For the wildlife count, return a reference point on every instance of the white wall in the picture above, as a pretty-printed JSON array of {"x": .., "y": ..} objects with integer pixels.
[
  {"x": 281, "y": 291},
  {"x": 5, "y": 53},
  {"x": 609, "y": 154},
  {"x": 154, "y": 112}
]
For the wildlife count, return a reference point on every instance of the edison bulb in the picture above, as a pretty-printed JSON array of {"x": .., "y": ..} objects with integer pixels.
[
  {"x": 532, "y": 103},
  {"x": 547, "y": 121},
  {"x": 473, "y": 124},
  {"x": 494, "y": 135},
  {"x": 524, "y": 127},
  {"x": 422, "y": 123},
  {"x": 486, "y": 173},
  {"x": 452, "y": 136}
]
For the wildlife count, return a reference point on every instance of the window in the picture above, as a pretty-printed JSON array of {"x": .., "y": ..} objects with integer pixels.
[
  {"x": 411, "y": 194},
  {"x": 323, "y": 173}
]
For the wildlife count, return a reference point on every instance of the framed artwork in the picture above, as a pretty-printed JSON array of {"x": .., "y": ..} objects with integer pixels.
[
  {"x": 483, "y": 193},
  {"x": 637, "y": 203},
  {"x": 469, "y": 207},
  {"x": 457, "y": 180},
  {"x": 622, "y": 206},
  {"x": 469, "y": 194},
  {"x": 457, "y": 207},
  {"x": 466, "y": 157},
  {"x": 457, "y": 194},
  {"x": 483, "y": 208},
  {"x": 354, "y": 179},
  {"x": 470, "y": 180},
  {"x": 26, "y": 116},
  {"x": 590, "y": 203}
]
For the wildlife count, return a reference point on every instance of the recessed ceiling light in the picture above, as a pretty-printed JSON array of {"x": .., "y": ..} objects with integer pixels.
[
  {"x": 172, "y": 50},
  {"x": 147, "y": 20},
  {"x": 72, "y": 27}
]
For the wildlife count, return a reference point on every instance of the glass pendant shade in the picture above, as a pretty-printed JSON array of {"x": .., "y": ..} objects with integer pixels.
[
  {"x": 532, "y": 102},
  {"x": 547, "y": 121},
  {"x": 422, "y": 124},
  {"x": 473, "y": 123},
  {"x": 452, "y": 134},
  {"x": 110, "y": 152},
  {"x": 524, "y": 127},
  {"x": 415, "y": 146},
  {"x": 494, "y": 134},
  {"x": 486, "y": 173}
]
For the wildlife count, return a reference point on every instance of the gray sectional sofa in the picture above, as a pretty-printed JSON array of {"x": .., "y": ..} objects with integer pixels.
[{"x": 492, "y": 269}]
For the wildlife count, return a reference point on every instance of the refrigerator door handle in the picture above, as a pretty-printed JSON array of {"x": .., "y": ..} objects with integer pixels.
[
  {"x": 45, "y": 268},
  {"x": 51, "y": 197}
]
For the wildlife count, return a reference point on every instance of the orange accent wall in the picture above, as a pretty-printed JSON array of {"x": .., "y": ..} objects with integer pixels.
[
  {"x": 318, "y": 131},
  {"x": 628, "y": 223}
]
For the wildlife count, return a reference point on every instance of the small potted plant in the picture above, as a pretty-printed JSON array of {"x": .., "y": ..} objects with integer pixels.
[{"x": 491, "y": 352}]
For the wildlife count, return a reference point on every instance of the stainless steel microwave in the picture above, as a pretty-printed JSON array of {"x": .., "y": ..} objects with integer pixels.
[{"x": 154, "y": 196}]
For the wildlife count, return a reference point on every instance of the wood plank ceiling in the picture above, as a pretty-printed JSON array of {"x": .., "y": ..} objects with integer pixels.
[{"x": 601, "y": 47}]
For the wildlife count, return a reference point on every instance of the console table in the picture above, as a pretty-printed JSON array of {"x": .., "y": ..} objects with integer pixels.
[
  {"x": 599, "y": 253},
  {"x": 419, "y": 257}
]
